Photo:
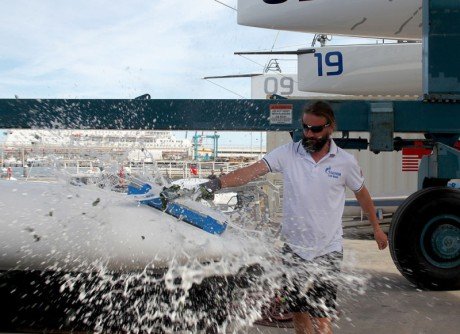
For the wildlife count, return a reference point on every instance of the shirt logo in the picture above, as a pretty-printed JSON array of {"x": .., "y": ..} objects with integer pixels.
[{"x": 331, "y": 173}]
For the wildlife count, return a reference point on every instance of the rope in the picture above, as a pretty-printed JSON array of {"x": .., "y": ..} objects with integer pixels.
[{"x": 224, "y": 4}]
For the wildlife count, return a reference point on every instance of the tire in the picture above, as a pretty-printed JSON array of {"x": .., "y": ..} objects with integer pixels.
[{"x": 425, "y": 238}]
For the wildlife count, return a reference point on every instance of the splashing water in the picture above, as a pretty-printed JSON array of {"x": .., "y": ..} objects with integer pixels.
[{"x": 176, "y": 289}]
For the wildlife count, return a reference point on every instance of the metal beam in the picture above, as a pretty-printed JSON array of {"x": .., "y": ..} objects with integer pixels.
[
  {"x": 242, "y": 115},
  {"x": 298, "y": 52}
]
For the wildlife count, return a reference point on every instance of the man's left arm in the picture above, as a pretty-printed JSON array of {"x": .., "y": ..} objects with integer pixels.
[{"x": 365, "y": 201}]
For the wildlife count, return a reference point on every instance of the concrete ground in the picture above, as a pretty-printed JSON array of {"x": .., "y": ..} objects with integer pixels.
[{"x": 390, "y": 303}]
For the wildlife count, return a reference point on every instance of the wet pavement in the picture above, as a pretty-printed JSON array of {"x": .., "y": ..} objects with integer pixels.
[{"x": 390, "y": 303}]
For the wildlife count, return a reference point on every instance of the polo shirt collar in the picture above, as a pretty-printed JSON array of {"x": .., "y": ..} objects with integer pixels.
[{"x": 333, "y": 148}]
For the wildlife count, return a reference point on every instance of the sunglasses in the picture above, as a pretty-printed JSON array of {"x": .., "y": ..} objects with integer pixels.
[{"x": 314, "y": 128}]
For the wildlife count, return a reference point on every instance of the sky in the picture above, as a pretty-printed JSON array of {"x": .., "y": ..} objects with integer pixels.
[{"x": 123, "y": 49}]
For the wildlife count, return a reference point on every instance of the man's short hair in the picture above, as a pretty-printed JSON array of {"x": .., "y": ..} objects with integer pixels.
[{"x": 320, "y": 108}]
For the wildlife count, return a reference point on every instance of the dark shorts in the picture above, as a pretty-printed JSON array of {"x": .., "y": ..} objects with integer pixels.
[{"x": 312, "y": 288}]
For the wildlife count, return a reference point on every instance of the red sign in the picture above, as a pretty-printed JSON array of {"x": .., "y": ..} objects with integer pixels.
[
  {"x": 411, "y": 157},
  {"x": 281, "y": 113}
]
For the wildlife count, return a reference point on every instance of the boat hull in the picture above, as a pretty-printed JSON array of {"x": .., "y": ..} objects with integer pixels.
[
  {"x": 59, "y": 227},
  {"x": 381, "y": 69},
  {"x": 363, "y": 18}
]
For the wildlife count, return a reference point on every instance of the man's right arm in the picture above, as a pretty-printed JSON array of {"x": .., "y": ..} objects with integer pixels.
[
  {"x": 244, "y": 175},
  {"x": 236, "y": 178},
  {"x": 272, "y": 162}
]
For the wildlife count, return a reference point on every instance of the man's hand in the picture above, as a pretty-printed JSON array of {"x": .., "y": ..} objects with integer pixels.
[
  {"x": 171, "y": 193},
  {"x": 203, "y": 193},
  {"x": 206, "y": 190},
  {"x": 381, "y": 238}
]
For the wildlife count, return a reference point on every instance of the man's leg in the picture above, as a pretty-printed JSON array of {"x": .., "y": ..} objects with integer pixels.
[
  {"x": 303, "y": 323},
  {"x": 322, "y": 325}
]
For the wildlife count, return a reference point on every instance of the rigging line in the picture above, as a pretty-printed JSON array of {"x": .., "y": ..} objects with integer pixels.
[
  {"x": 281, "y": 47},
  {"x": 292, "y": 45},
  {"x": 231, "y": 91},
  {"x": 282, "y": 75},
  {"x": 226, "y": 5},
  {"x": 276, "y": 38},
  {"x": 252, "y": 61},
  {"x": 273, "y": 46}
]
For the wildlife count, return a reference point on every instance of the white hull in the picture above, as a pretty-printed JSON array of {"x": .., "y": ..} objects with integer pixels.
[
  {"x": 57, "y": 226},
  {"x": 366, "y": 18},
  {"x": 381, "y": 69},
  {"x": 366, "y": 70}
]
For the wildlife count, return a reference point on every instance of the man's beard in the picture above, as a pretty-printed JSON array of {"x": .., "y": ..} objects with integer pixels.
[{"x": 312, "y": 145}]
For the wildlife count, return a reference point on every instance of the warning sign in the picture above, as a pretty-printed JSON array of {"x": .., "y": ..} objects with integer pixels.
[{"x": 281, "y": 114}]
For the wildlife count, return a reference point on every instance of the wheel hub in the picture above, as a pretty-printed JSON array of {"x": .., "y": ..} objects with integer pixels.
[
  {"x": 440, "y": 241},
  {"x": 446, "y": 241}
]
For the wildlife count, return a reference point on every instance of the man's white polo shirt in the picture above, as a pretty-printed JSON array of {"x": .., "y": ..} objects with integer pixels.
[{"x": 314, "y": 196}]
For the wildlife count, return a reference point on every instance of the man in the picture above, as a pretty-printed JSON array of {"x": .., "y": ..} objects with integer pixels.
[{"x": 316, "y": 173}]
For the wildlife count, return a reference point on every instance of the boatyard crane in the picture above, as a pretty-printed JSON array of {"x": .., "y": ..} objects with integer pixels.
[
  {"x": 425, "y": 231},
  {"x": 196, "y": 144}
]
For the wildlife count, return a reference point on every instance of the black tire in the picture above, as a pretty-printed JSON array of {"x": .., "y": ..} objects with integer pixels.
[{"x": 425, "y": 238}]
